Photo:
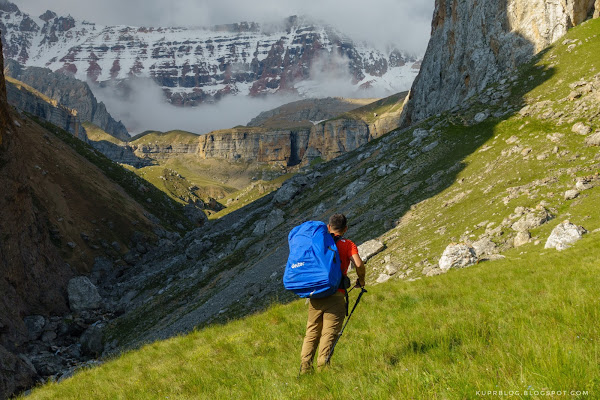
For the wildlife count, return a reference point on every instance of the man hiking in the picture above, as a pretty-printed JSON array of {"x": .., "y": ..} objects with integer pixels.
[{"x": 326, "y": 315}]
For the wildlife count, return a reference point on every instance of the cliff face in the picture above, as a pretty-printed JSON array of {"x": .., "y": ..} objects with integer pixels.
[
  {"x": 71, "y": 93},
  {"x": 476, "y": 42},
  {"x": 55, "y": 113},
  {"x": 288, "y": 147}
]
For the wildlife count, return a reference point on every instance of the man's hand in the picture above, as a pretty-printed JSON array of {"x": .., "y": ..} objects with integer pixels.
[{"x": 360, "y": 282}]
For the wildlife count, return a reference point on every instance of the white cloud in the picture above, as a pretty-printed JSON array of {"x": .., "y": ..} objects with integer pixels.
[
  {"x": 144, "y": 107},
  {"x": 402, "y": 23}
]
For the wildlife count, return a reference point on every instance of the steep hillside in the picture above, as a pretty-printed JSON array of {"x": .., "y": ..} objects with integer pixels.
[
  {"x": 66, "y": 211},
  {"x": 195, "y": 65},
  {"x": 69, "y": 92},
  {"x": 499, "y": 179},
  {"x": 29, "y": 100}
]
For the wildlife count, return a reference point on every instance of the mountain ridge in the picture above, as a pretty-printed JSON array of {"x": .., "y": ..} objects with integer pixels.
[{"x": 195, "y": 66}]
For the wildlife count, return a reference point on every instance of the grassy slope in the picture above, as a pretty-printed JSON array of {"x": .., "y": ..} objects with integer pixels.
[
  {"x": 527, "y": 322},
  {"x": 97, "y": 134},
  {"x": 155, "y": 137},
  {"x": 503, "y": 326}
]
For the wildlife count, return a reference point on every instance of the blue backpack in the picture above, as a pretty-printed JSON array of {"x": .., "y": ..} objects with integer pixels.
[{"x": 313, "y": 267}]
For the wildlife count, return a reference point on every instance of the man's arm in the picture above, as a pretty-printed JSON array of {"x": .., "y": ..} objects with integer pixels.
[{"x": 360, "y": 269}]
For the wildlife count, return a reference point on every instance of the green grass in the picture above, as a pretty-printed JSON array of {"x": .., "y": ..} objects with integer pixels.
[
  {"x": 525, "y": 323},
  {"x": 156, "y": 137},
  {"x": 97, "y": 134}
]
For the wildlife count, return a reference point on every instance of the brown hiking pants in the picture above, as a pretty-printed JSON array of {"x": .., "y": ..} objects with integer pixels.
[{"x": 325, "y": 319}]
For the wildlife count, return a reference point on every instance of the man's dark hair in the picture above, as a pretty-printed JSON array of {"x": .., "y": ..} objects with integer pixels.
[{"x": 338, "y": 222}]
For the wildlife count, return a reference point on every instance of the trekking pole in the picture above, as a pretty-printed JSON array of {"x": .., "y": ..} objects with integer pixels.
[{"x": 362, "y": 291}]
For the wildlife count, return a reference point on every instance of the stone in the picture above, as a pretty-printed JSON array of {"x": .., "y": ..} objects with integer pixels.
[
  {"x": 197, "y": 249},
  {"x": 83, "y": 295},
  {"x": 432, "y": 270},
  {"x": 92, "y": 342},
  {"x": 35, "y": 326},
  {"x": 390, "y": 269},
  {"x": 530, "y": 221},
  {"x": 49, "y": 336},
  {"x": 286, "y": 193},
  {"x": 369, "y": 249},
  {"x": 571, "y": 194},
  {"x": 565, "y": 234},
  {"x": 320, "y": 209},
  {"x": 355, "y": 187},
  {"x": 480, "y": 117},
  {"x": 430, "y": 147},
  {"x": 383, "y": 278},
  {"x": 581, "y": 129},
  {"x": 457, "y": 255},
  {"x": 484, "y": 246},
  {"x": 420, "y": 133},
  {"x": 274, "y": 219},
  {"x": 593, "y": 140},
  {"x": 259, "y": 228},
  {"x": 522, "y": 238}
]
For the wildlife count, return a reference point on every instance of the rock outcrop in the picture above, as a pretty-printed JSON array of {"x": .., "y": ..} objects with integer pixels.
[
  {"x": 50, "y": 111},
  {"x": 473, "y": 45},
  {"x": 71, "y": 93}
]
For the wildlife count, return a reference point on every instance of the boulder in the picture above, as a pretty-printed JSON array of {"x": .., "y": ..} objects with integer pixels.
[
  {"x": 480, "y": 117},
  {"x": 390, "y": 269},
  {"x": 571, "y": 194},
  {"x": 383, "y": 278},
  {"x": 522, "y": 238},
  {"x": 594, "y": 139},
  {"x": 565, "y": 234},
  {"x": 92, "y": 342},
  {"x": 286, "y": 193},
  {"x": 530, "y": 221},
  {"x": 35, "y": 326},
  {"x": 484, "y": 247},
  {"x": 581, "y": 129},
  {"x": 83, "y": 295},
  {"x": 274, "y": 219},
  {"x": 16, "y": 375},
  {"x": 369, "y": 249},
  {"x": 457, "y": 255}
]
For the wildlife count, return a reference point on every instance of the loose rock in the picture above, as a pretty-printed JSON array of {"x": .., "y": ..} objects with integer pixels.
[
  {"x": 581, "y": 129},
  {"x": 457, "y": 255},
  {"x": 369, "y": 249},
  {"x": 522, "y": 238},
  {"x": 571, "y": 194},
  {"x": 83, "y": 295},
  {"x": 565, "y": 234}
]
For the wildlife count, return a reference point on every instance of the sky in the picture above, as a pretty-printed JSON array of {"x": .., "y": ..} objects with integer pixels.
[{"x": 404, "y": 24}]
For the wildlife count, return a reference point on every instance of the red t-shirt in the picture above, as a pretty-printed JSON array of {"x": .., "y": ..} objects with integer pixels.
[{"x": 347, "y": 249}]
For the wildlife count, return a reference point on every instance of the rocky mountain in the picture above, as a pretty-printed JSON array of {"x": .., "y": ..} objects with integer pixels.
[
  {"x": 69, "y": 92},
  {"x": 464, "y": 57},
  {"x": 195, "y": 65},
  {"x": 27, "y": 99},
  {"x": 263, "y": 144}
]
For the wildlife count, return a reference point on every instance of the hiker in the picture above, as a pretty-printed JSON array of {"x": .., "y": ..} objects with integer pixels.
[{"x": 326, "y": 315}]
